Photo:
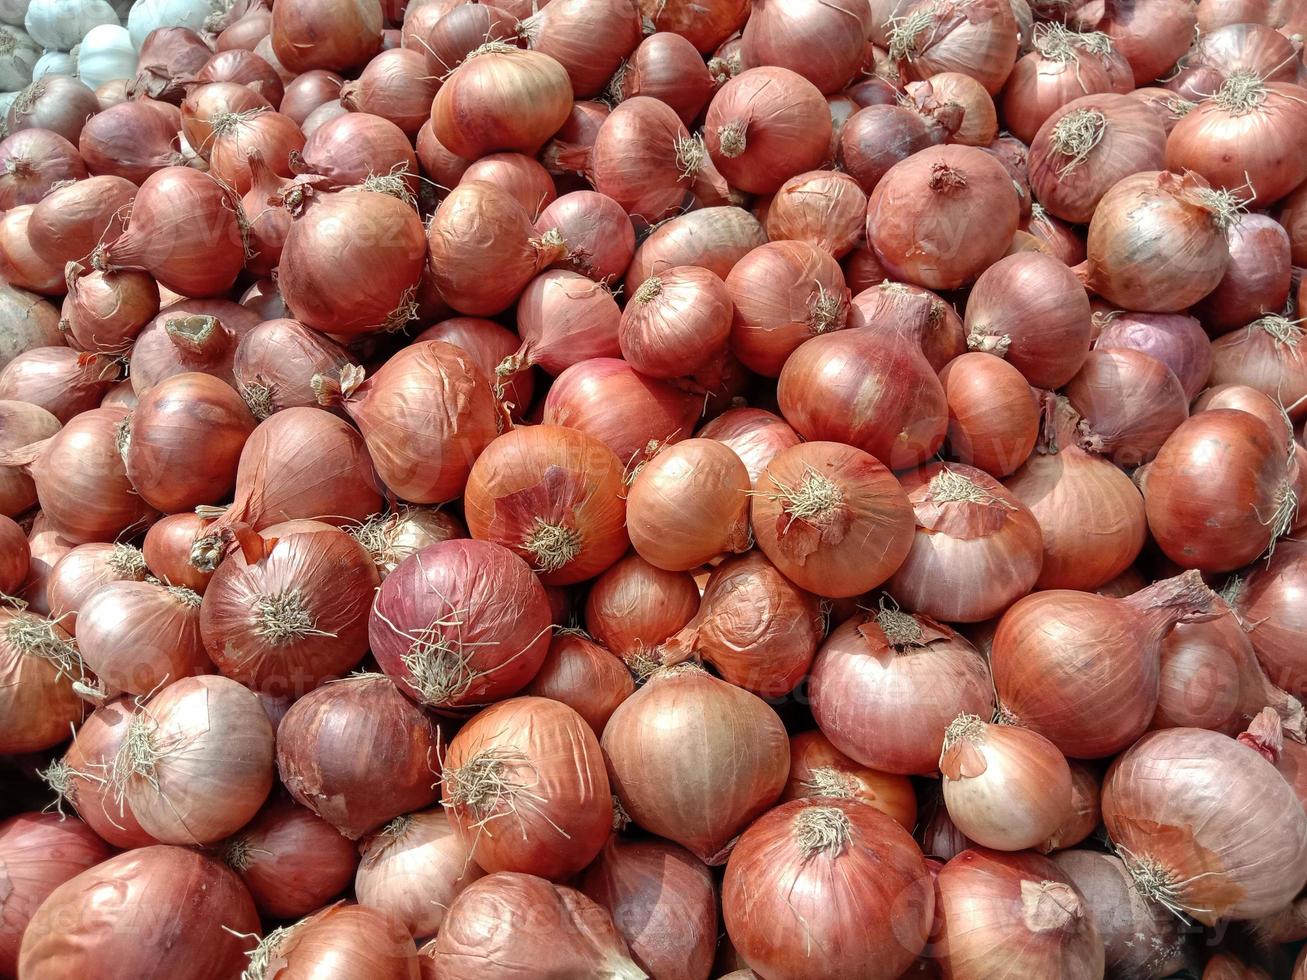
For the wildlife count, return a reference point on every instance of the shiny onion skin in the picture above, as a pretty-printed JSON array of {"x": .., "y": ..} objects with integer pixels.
[
  {"x": 677, "y": 323},
  {"x": 585, "y": 677},
  {"x": 552, "y": 495},
  {"x": 1152, "y": 36},
  {"x": 663, "y": 902},
  {"x": 924, "y": 217},
  {"x": 993, "y": 414},
  {"x": 1217, "y": 517},
  {"x": 308, "y": 91},
  {"x": 292, "y": 861},
  {"x": 413, "y": 868},
  {"x": 1031, "y": 311},
  {"x": 21, "y": 424},
  {"x": 666, "y": 67},
  {"x": 391, "y": 537},
  {"x": 38, "y": 853},
  {"x": 832, "y": 518},
  {"x": 283, "y": 615},
  {"x": 824, "y": 42},
  {"x": 1062, "y": 67},
  {"x": 819, "y": 770},
  {"x": 32, "y": 161},
  {"x": 511, "y": 925},
  {"x": 1005, "y": 787},
  {"x": 891, "y": 672},
  {"x": 824, "y": 208},
  {"x": 195, "y": 763},
  {"x": 355, "y": 148},
  {"x": 1082, "y": 669},
  {"x": 695, "y": 759},
  {"x": 806, "y": 879},
  {"x": 396, "y": 86},
  {"x": 757, "y": 629},
  {"x": 783, "y": 293},
  {"x": 244, "y": 67},
  {"x": 1206, "y": 826},
  {"x": 525, "y": 787},
  {"x": 1269, "y": 603},
  {"x": 1089, "y": 144},
  {"x": 1157, "y": 242},
  {"x": 21, "y": 267},
  {"x": 871, "y": 390},
  {"x": 459, "y": 624},
  {"x": 347, "y": 939},
  {"x": 154, "y": 911},
  {"x": 1129, "y": 403},
  {"x": 596, "y": 231},
  {"x": 610, "y": 401},
  {"x": 876, "y": 137},
  {"x": 634, "y": 606},
  {"x": 105, "y": 311},
  {"x": 1178, "y": 341},
  {"x": 338, "y": 36},
  {"x": 356, "y": 284},
  {"x": 1140, "y": 938},
  {"x": 563, "y": 318},
  {"x": 336, "y": 739},
  {"x": 41, "y": 665},
  {"x": 189, "y": 335},
  {"x": 47, "y": 546},
  {"x": 766, "y": 125},
  {"x": 501, "y": 98},
  {"x": 57, "y": 103},
  {"x": 714, "y": 238},
  {"x": 688, "y": 505},
  {"x": 756, "y": 436},
  {"x": 973, "y": 37},
  {"x": 81, "y": 481},
  {"x": 15, "y": 557},
  {"x": 589, "y": 38},
  {"x": 425, "y": 416},
  {"x": 1257, "y": 280},
  {"x": 271, "y": 135},
  {"x": 139, "y": 636},
  {"x": 167, "y": 550},
  {"x": 1020, "y": 912},
  {"x": 60, "y": 380},
  {"x": 1062, "y": 241},
  {"x": 275, "y": 363},
  {"x": 1235, "y": 139},
  {"x": 170, "y": 468},
  {"x": 183, "y": 231},
  {"x": 1264, "y": 355},
  {"x": 299, "y": 463},
  {"x": 520, "y": 175},
  {"x": 67, "y": 224},
  {"x": 132, "y": 140},
  {"x": 705, "y": 25},
  {"x": 206, "y": 103},
  {"x": 459, "y": 31},
  {"x": 487, "y": 343},
  {"x": 976, "y": 548},
  {"x": 483, "y": 249}
]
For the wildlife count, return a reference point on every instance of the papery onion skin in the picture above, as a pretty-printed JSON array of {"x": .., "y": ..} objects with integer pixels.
[
  {"x": 413, "y": 868},
  {"x": 821, "y": 207},
  {"x": 290, "y": 612},
  {"x": 983, "y": 764},
  {"x": 598, "y": 234},
  {"x": 167, "y": 550},
  {"x": 832, "y": 518},
  {"x": 138, "y": 636},
  {"x": 634, "y": 606},
  {"x": 58, "y": 103},
  {"x": 274, "y": 137},
  {"x": 877, "y": 137},
  {"x": 189, "y": 335},
  {"x": 563, "y": 933},
  {"x": 15, "y": 557},
  {"x": 818, "y": 770},
  {"x": 1014, "y": 911},
  {"x": 976, "y": 548},
  {"x": 564, "y": 318},
  {"x": 714, "y": 238},
  {"x": 1174, "y": 339},
  {"x": 1264, "y": 356},
  {"x": 60, "y": 380},
  {"x": 21, "y": 423},
  {"x": 1086, "y": 813},
  {"x": 1219, "y": 518},
  {"x": 391, "y": 537},
  {"x": 1129, "y": 401},
  {"x": 70, "y": 221},
  {"x": 1269, "y": 602},
  {"x": 487, "y": 343},
  {"x": 520, "y": 175},
  {"x": 244, "y": 67},
  {"x": 688, "y": 505},
  {"x": 977, "y": 38},
  {"x": 756, "y": 436},
  {"x": 685, "y": 739},
  {"x": 552, "y": 495},
  {"x": 275, "y": 363},
  {"x": 82, "y": 925},
  {"x": 292, "y": 861},
  {"x": 339, "y": 36},
  {"x": 1061, "y": 67},
  {"x": 897, "y": 673},
  {"x": 1061, "y": 658},
  {"x": 585, "y": 677},
  {"x": 105, "y": 311},
  {"x": 676, "y": 323},
  {"x": 355, "y": 940},
  {"x": 206, "y": 103},
  {"x": 757, "y": 629},
  {"x": 32, "y": 161},
  {"x": 1224, "y": 838},
  {"x": 706, "y": 26},
  {"x": 332, "y": 740},
  {"x": 993, "y": 414},
  {"x": 308, "y": 91}
]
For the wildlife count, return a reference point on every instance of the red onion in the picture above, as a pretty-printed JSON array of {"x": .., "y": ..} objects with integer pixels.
[
  {"x": 354, "y": 939},
  {"x": 72, "y": 220},
  {"x": 1244, "y": 399},
  {"x": 993, "y": 415},
  {"x": 1064, "y": 66},
  {"x": 596, "y": 233},
  {"x": 138, "y": 636},
  {"x": 105, "y": 311},
  {"x": 167, "y": 550},
  {"x": 754, "y": 435},
  {"x": 823, "y": 208},
  {"x": 824, "y": 42},
  {"x": 21, "y": 424},
  {"x": 339, "y": 36},
  {"x": 330, "y": 743},
  {"x": 1152, "y": 36},
  {"x": 585, "y": 677},
  {"x": 32, "y": 161},
  {"x": 818, "y": 769},
  {"x": 58, "y": 103},
  {"x": 1264, "y": 356},
  {"x": 877, "y": 137},
  {"x": 244, "y": 67},
  {"x": 461, "y": 30},
  {"x": 633, "y": 607},
  {"x": 705, "y": 25},
  {"x": 1257, "y": 280},
  {"x": 15, "y": 559},
  {"x": 924, "y": 221},
  {"x": 292, "y": 862},
  {"x": 206, "y": 104},
  {"x": 1268, "y": 603},
  {"x": 40, "y": 704},
  {"x": 713, "y": 238},
  {"x": 974, "y": 37},
  {"x": 168, "y": 60},
  {"x": 521, "y": 176},
  {"x": 896, "y": 673},
  {"x": 589, "y": 38},
  {"x": 269, "y": 136},
  {"x": 81, "y": 572},
  {"x": 627, "y": 412},
  {"x": 487, "y": 344},
  {"x": 192, "y": 335},
  {"x": 677, "y": 323},
  {"x": 133, "y": 140},
  {"x": 1062, "y": 241},
  {"x": 20, "y": 266},
  {"x": 394, "y": 86},
  {"x": 307, "y": 92},
  {"x": 1016, "y": 912},
  {"x": 1130, "y": 403},
  {"x": 275, "y": 363},
  {"x": 887, "y": 306},
  {"x": 684, "y": 716},
  {"x": 60, "y": 380},
  {"x": 357, "y": 148},
  {"x": 666, "y": 67},
  {"x": 1083, "y": 669},
  {"x": 79, "y": 928},
  {"x": 1188, "y": 840},
  {"x": 1173, "y": 339},
  {"x": 564, "y": 318}
]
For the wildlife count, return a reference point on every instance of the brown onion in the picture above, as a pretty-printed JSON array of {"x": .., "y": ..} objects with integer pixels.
[
  {"x": 1064, "y": 66},
  {"x": 390, "y": 538},
  {"x": 191, "y": 335},
  {"x": 713, "y": 238},
  {"x": 46, "y": 546},
  {"x": 21, "y": 424},
  {"x": 40, "y": 704},
  {"x": 1085, "y": 815},
  {"x": 596, "y": 232},
  {"x": 270, "y": 136},
  {"x": 823, "y": 208},
  {"x": 337, "y": 36},
  {"x": 69, "y": 222},
  {"x": 105, "y": 311},
  {"x": 15, "y": 558},
  {"x": 352, "y": 148},
  {"x": 244, "y": 67},
  {"x": 521, "y": 176},
  {"x": 634, "y": 606},
  {"x": 819, "y": 770},
  {"x": 589, "y": 38},
  {"x": 676, "y": 323},
  {"x": 1152, "y": 36},
  {"x": 993, "y": 414},
  {"x": 167, "y": 550},
  {"x": 20, "y": 266},
  {"x": 666, "y": 67},
  {"x": 975, "y": 37},
  {"x": 275, "y": 363},
  {"x": 705, "y": 25},
  {"x": 60, "y": 380},
  {"x": 824, "y": 42},
  {"x": 694, "y": 759},
  {"x": 564, "y": 318},
  {"x": 585, "y": 677},
  {"x": 395, "y": 86},
  {"x": 308, "y": 91}
]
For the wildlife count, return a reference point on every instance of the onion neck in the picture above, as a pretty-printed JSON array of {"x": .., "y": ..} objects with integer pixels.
[
  {"x": 1165, "y": 603},
  {"x": 1265, "y": 735},
  {"x": 200, "y": 338},
  {"x": 733, "y": 138}
]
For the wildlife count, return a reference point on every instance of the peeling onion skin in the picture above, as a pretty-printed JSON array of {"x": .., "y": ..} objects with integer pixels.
[{"x": 1208, "y": 824}]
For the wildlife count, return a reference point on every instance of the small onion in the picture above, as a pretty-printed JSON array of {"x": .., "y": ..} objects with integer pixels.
[
  {"x": 635, "y": 606},
  {"x": 138, "y": 636},
  {"x": 308, "y": 91},
  {"x": 885, "y": 686},
  {"x": 329, "y": 744},
  {"x": 585, "y": 677},
  {"x": 1006, "y": 788},
  {"x": 757, "y": 629},
  {"x": 676, "y": 323},
  {"x": 275, "y": 363},
  {"x": 818, "y": 769},
  {"x": 695, "y": 759}
]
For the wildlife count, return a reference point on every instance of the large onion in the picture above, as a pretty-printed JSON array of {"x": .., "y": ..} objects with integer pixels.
[
  {"x": 138, "y": 636},
  {"x": 71, "y": 220},
  {"x": 589, "y": 38},
  {"x": 339, "y": 36},
  {"x": 975, "y": 37}
]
